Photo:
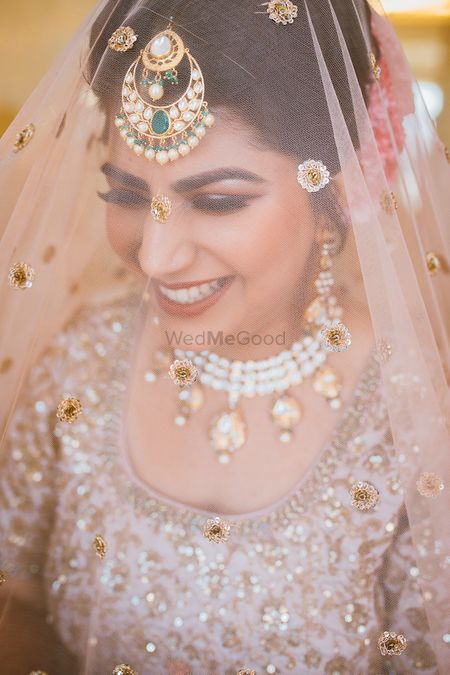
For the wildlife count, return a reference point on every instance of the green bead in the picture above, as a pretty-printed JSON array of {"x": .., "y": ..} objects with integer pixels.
[{"x": 160, "y": 122}]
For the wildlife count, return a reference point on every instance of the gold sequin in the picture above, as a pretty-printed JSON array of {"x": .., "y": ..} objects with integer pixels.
[
  {"x": 376, "y": 69},
  {"x": 389, "y": 202},
  {"x": 99, "y": 546},
  {"x": 433, "y": 263},
  {"x": 183, "y": 373},
  {"x": 216, "y": 530},
  {"x": 282, "y": 11},
  {"x": 335, "y": 337},
  {"x": 124, "y": 669},
  {"x": 5, "y": 365},
  {"x": 161, "y": 208},
  {"x": 24, "y": 137},
  {"x": 246, "y": 671},
  {"x": 429, "y": 485},
  {"x": 384, "y": 350},
  {"x": 2, "y": 577},
  {"x": 122, "y": 39},
  {"x": 69, "y": 409},
  {"x": 364, "y": 495},
  {"x": 392, "y": 643},
  {"x": 313, "y": 175},
  {"x": 21, "y": 275}
]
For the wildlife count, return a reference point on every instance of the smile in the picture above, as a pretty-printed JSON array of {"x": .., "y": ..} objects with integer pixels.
[{"x": 187, "y": 299}]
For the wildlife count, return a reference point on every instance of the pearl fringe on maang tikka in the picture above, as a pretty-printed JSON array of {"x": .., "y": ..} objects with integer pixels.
[{"x": 170, "y": 131}]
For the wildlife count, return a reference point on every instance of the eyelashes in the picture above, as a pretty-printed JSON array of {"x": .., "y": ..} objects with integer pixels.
[
  {"x": 124, "y": 198},
  {"x": 207, "y": 203}
]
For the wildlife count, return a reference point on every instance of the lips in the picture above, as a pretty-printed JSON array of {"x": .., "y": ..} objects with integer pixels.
[{"x": 190, "y": 298}]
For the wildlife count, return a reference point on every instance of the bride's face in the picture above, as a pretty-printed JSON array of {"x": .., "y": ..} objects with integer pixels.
[{"x": 234, "y": 249}]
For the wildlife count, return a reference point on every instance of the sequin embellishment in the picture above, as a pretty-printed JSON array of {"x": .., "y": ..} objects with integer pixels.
[
  {"x": 24, "y": 137},
  {"x": 21, "y": 275},
  {"x": 364, "y": 495},
  {"x": 246, "y": 671},
  {"x": 161, "y": 208},
  {"x": 69, "y": 409},
  {"x": 122, "y": 39},
  {"x": 124, "y": 669},
  {"x": 384, "y": 350},
  {"x": 313, "y": 175},
  {"x": 433, "y": 263},
  {"x": 99, "y": 546},
  {"x": 282, "y": 11},
  {"x": 2, "y": 577},
  {"x": 389, "y": 202},
  {"x": 335, "y": 337},
  {"x": 392, "y": 643},
  {"x": 429, "y": 485},
  {"x": 376, "y": 69},
  {"x": 216, "y": 530},
  {"x": 183, "y": 373}
]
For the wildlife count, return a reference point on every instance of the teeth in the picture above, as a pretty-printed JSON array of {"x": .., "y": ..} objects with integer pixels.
[{"x": 186, "y": 296}]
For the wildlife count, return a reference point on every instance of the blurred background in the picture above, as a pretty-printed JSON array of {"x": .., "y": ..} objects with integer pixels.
[{"x": 33, "y": 31}]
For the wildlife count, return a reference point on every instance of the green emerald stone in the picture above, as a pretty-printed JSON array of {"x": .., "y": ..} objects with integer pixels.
[{"x": 160, "y": 122}]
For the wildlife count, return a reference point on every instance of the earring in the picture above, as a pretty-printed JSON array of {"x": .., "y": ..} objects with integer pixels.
[{"x": 323, "y": 311}]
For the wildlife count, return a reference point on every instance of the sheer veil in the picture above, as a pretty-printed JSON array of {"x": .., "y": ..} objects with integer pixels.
[{"x": 111, "y": 154}]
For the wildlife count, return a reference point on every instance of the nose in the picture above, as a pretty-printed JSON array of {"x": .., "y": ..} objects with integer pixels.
[{"x": 165, "y": 249}]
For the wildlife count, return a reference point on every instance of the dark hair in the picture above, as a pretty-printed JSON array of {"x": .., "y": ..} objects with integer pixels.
[{"x": 272, "y": 92}]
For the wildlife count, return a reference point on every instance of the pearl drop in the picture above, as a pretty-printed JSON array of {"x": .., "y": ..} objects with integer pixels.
[
  {"x": 193, "y": 141},
  {"x": 133, "y": 96},
  {"x": 162, "y": 157},
  {"x": 134, "y": 119},
  {"x": 142, "y": 126},
  {"x": 182, "y": 104},
  {"x": 198, "y": 87},
  {"x": 130, "y": 141},
  {"x": 139, "y": 107},
  {"x": 148, "y": 114},
  {"x": 138, "y": 149},
  {"x": 200, "y": 132},
  {"x": 128, "y": 107},
  {"x": 126, "y": 91},
  {"x": 129, "y": 78},
  {"x": 118, "y": 121},
  {"x": 184, "y": 149},
  {"x": 195, "y": 104},
  {"x": 174, "y": 112},
  {"x": 150, "y": 153},
  {"x": 156, "y": 92},
  {"x": 209, "y": 120},
  {"x": 178, "y": 125},
  {"x": 124, "y": 133},
  {"x": 195, "y": 74},
  {"x": 188, "y": 116},
  {"x": 173, "y": 154},
  {"x": 190, "y": 93}
]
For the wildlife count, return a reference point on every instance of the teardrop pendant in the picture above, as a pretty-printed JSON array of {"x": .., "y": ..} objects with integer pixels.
[
  {"x": 286, "y": 413},
  {"x": 228, "y": 433}
]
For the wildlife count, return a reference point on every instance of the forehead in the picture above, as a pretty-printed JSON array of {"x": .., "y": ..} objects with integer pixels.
[{"x": 230, "y": 142}]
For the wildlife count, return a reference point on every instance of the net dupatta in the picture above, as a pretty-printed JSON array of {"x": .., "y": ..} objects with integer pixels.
[{"x": 387, "y": 164}]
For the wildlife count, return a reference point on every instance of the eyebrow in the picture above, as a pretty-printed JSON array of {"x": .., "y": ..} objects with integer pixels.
[
  {"x": 124, "y": 177},
  {"x": 208, "y": 177},
  {"x": 184, "y": 184}
]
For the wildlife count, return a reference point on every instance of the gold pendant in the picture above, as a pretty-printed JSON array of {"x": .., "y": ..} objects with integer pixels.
[{"x": 227, "y": 433}]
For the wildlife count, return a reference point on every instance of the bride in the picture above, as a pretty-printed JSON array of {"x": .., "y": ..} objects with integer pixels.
[{"x": 223, "y": 351}]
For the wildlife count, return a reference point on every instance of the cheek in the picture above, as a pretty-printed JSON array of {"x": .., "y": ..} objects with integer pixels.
[
  {"x": 124, "y": 234},
  {"x": 270, "y": 243}
]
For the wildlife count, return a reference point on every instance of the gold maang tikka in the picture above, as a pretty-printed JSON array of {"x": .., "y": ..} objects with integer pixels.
[{"x": 168, "y": 131}]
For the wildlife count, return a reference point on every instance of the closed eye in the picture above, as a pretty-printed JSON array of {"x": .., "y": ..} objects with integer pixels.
[
  {"x": 126, "y": 198},
  {"x": 217, "y": 203}
]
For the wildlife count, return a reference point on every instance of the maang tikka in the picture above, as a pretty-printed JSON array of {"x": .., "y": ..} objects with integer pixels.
[{"x": 170, "y": 130}]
